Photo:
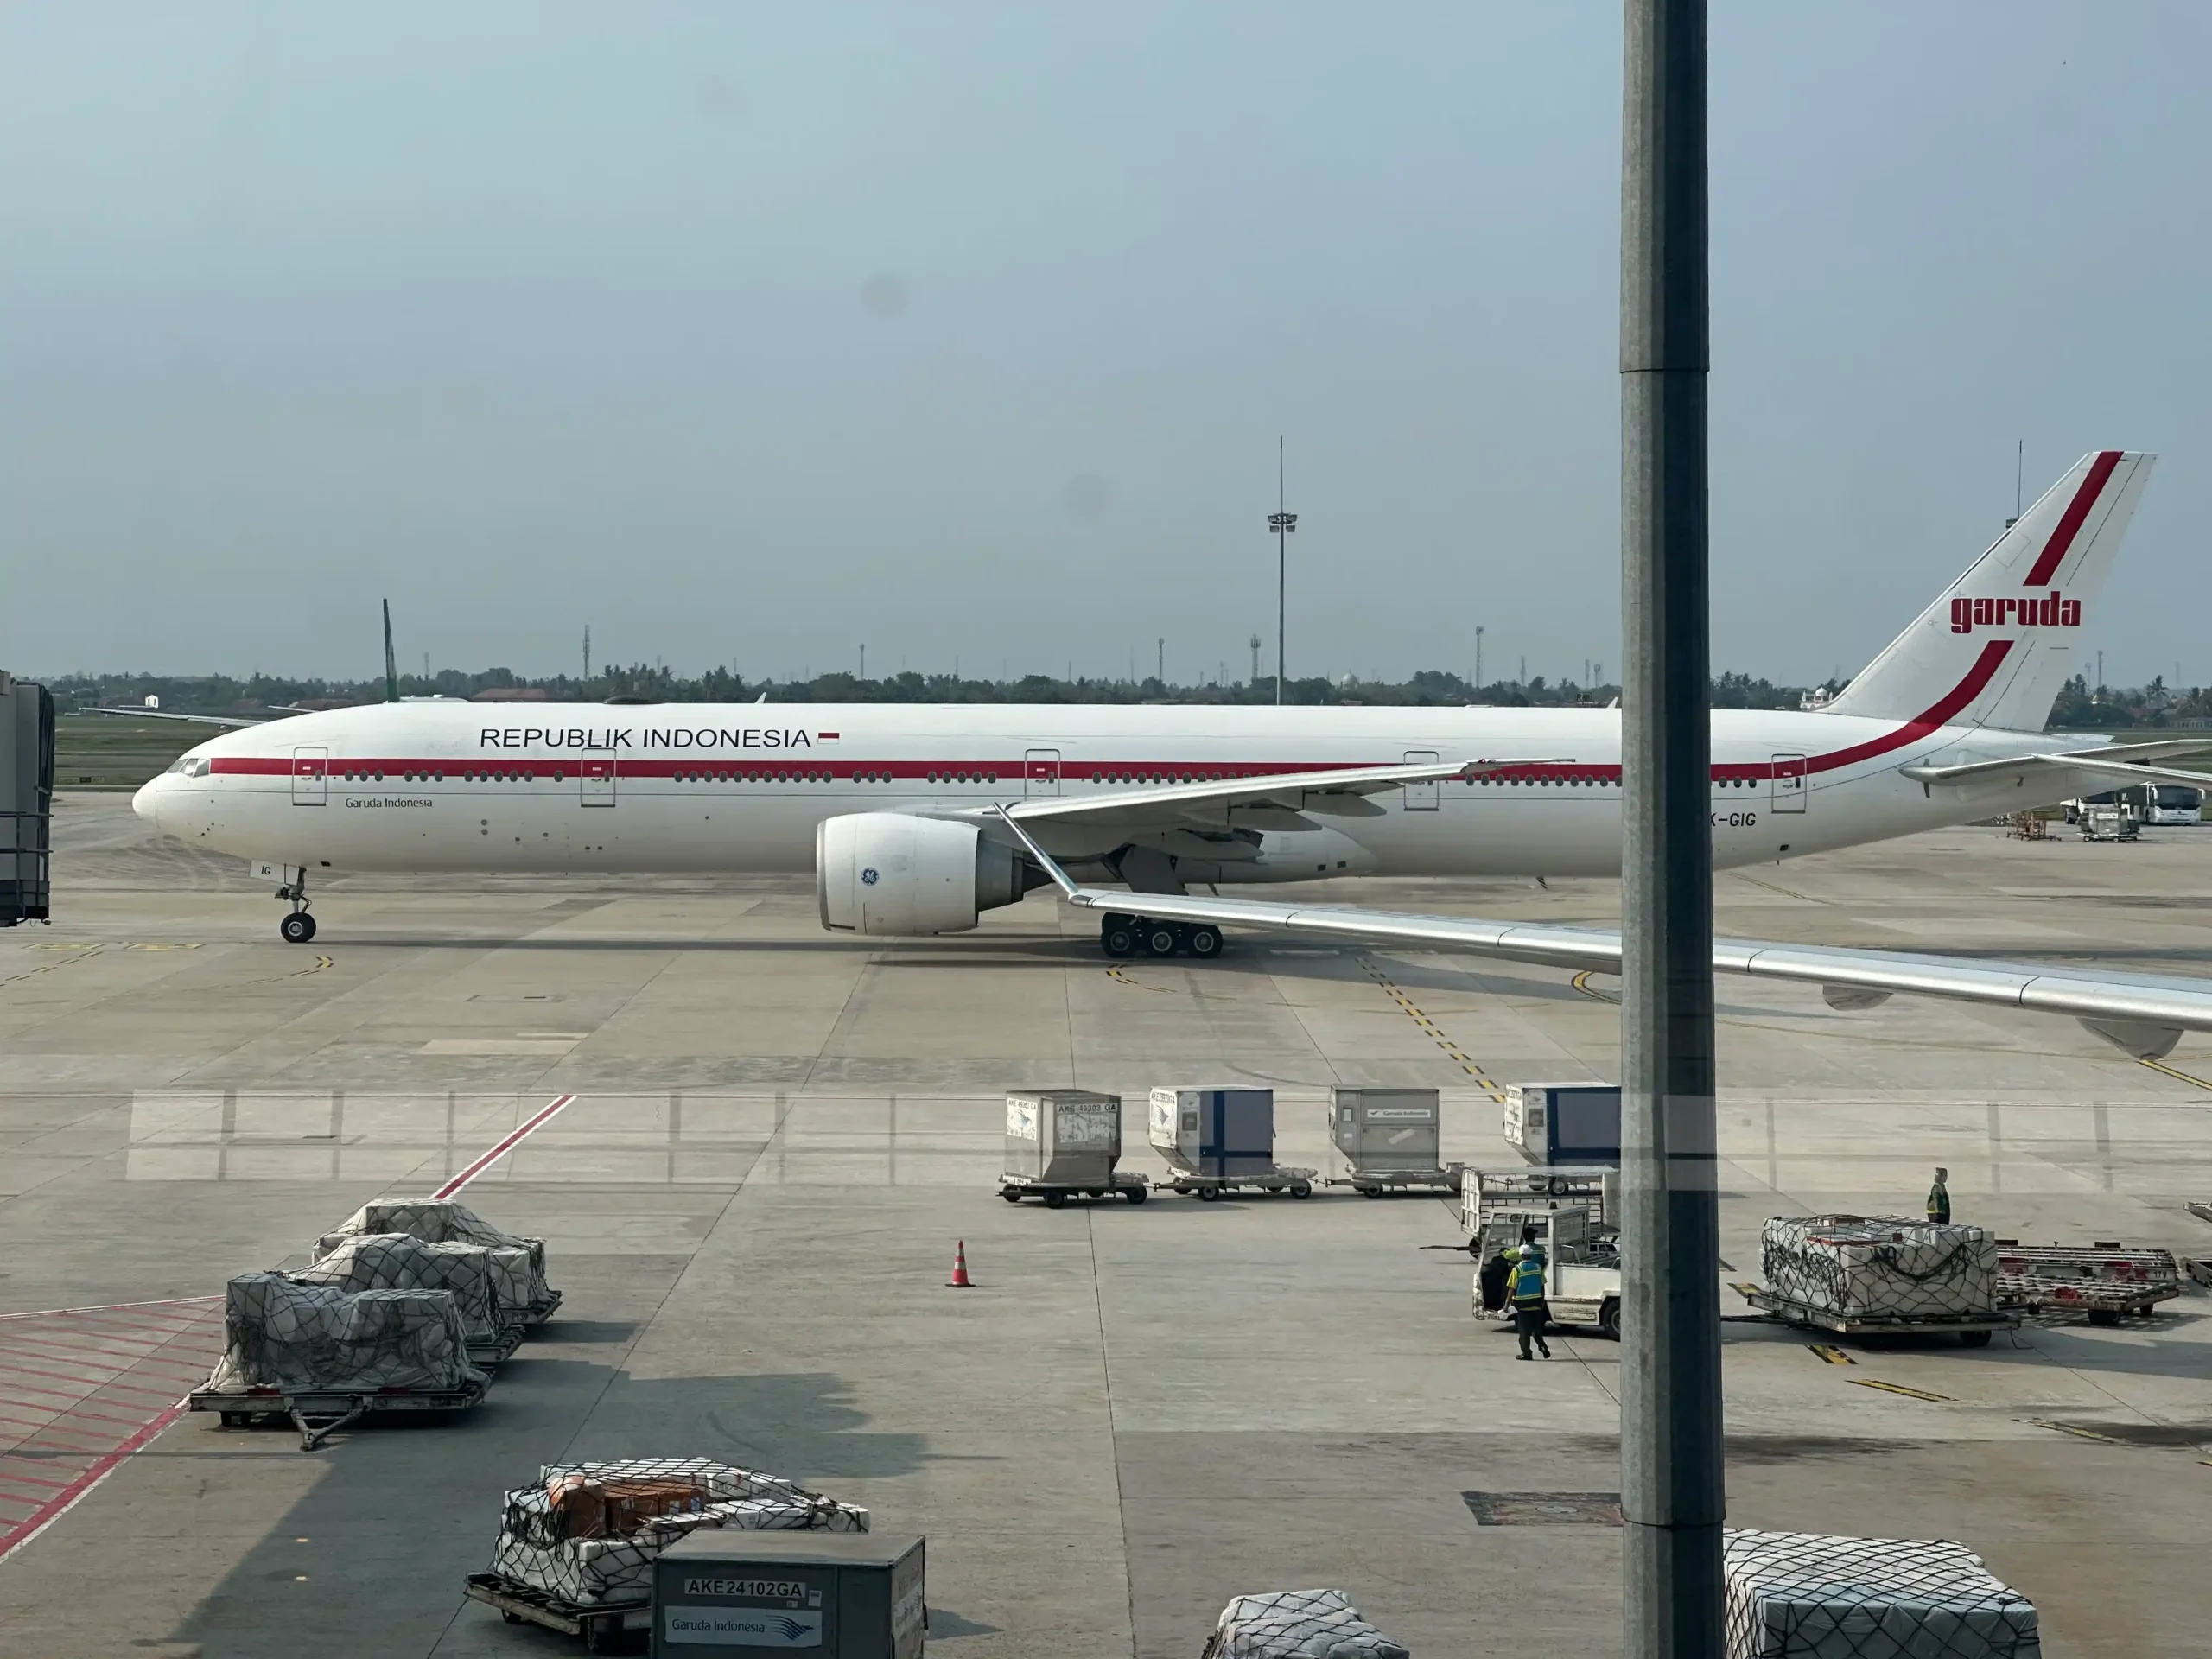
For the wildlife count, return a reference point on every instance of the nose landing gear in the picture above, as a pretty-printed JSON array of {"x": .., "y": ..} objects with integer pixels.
[
  {"x": 298, "y": 927},
  {"x": 1140, "y": 936}
]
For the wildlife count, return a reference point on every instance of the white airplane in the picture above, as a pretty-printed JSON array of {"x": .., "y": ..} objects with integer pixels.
[{"x": 915, "y": 818}]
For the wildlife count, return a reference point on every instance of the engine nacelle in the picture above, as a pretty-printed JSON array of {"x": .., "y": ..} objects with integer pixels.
[{"x": 892, "y": 873}]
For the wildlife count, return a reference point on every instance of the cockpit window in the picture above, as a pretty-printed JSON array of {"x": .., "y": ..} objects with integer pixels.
[{"x": 191, "y": 766}]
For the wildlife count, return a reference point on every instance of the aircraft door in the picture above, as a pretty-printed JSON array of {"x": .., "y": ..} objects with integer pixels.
[
  {"x": 1790, "y": 783},
  {"x": 1423, "y": 797},
  {"x": 1040, "y": 772},
  {"x": 310, "y": 775},
  {"x": 595, "y": 778}
]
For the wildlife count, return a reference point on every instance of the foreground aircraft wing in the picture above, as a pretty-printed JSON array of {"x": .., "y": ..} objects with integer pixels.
[
  {"x": 2126, "y": 760},
  {"x": 1341, "y": 792},
  {"x": 2143, "y": 1015}
]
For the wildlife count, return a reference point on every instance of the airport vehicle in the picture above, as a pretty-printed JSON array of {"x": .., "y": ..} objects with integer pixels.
[
  {"x": 2172, "y": 803},
  {"x": 2108, "y": 820},
  {"x": 906, "y": 814},
  {"x": 1582, "y": 1265}
]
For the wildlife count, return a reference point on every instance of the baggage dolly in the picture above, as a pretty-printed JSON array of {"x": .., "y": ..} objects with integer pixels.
[
  {"x": 1374, "y": 1183},
  {"x": 1015, "y": 1188},
  {"x": 1299, "y": 1183},
  {"x": 2106, "y": 1281},
  {"x": 317, "y": 1413},
  {"x": 538, "y": 1311},
  {"x": 503, "y": 1346},
  {"x": 599, "y": 1623},
  {"x": 1974, "y": 1330}
]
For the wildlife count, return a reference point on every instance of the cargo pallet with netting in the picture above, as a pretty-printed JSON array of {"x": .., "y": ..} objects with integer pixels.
[
  {"x": 1880, "y": 1275},
  {"x": 1121, "y": 1185},
  {"x": 2106, "y": 1280},
  {"x": 600, "y": 1623},
  {"x": 317, "y": 1413}
]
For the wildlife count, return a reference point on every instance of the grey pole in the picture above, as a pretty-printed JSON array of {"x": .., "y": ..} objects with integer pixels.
[{"x": 1672, "y": 1490}]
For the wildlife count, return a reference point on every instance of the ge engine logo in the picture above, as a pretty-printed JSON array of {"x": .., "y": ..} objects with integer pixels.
[{"x": 868, "y": 876}]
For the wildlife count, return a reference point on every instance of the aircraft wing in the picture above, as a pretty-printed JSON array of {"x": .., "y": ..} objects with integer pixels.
[
  {"x": 2126, "y": 760},
  {"x": 1340, "y": 791},
  {"x": 2143, "y": 1015},
  {"x": 163, "y": 714}
]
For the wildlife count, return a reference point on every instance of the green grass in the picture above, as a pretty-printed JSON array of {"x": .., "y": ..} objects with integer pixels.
[{"x": 115, "y": 752}]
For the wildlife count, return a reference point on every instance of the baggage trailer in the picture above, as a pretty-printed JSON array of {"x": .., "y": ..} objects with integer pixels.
[
  {"x": 1390, "y": 1138},
  {"x": 1484, "y": 1191},
  {"x": 1122, "y": 1184},
  {"x": 317, "y": 1413},
  {"x": 1974, "y": 1330},
  {"x": 2106, "y": 1281},
  {"x": 602, "y": 1625},
  {"x": 1277, "y": 1178},
  {"x": 1064, "y": 1143}
]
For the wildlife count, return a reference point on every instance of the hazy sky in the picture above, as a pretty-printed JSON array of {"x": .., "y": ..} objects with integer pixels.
[{"x": 749, "y": 332}]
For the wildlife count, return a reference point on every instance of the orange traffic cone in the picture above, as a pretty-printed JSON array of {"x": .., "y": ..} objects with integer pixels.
[{"x": 960, "y": 1280}]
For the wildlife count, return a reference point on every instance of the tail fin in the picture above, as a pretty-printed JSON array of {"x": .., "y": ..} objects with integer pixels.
[{"x": 1995, "y": 649}]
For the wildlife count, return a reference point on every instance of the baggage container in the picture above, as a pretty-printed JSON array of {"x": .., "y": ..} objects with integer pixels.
[
  {"x": 1381, "y": 1130},
  {"x": 842, "y": 1595},
  {"x": 1555, "y": 1123},
  {"x": 1064, "y": 1137},
  {"x": 1222, "y": 1134}
]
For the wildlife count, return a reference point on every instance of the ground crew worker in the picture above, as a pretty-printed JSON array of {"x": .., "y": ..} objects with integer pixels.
[
  {"x": 1526, "y": 1292},
  {"x": 1939, "y": 1199}
]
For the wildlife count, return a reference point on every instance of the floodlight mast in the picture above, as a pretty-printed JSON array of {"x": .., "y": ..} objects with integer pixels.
[{"x": 1282, "y": 524}]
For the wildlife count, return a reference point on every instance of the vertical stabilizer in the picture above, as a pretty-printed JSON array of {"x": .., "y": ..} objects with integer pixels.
[{"x": 1995, "y": 649}]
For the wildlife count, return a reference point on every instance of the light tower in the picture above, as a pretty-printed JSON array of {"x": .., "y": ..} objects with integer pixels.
[{"x": 1282, "y": 524}]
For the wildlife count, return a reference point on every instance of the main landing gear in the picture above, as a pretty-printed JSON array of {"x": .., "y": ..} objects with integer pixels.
[
  {"x": 1140, "y": 936},
  {"x": 298, "y": 927}
]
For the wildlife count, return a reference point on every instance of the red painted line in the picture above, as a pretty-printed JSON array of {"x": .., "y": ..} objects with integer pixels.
[
  {"x": 544, "y": 1115},
  {"x": 33, "y": 1480},
  {"x": 70, "y": 1495},
  {"x": 65, "y": 1354},
  {"x": 110, "y": 1307},
  {"x": 91, "y": 1383},
  {"x": 58, "y": 1413},
  {"x": 2062, "y": 539}
]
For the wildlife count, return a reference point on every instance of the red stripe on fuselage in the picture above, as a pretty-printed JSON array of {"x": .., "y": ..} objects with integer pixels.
[{"x": 2077, "y": 510}]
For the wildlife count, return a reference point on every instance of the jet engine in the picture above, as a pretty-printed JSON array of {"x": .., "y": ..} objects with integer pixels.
[{"x": 893, "y": 872}]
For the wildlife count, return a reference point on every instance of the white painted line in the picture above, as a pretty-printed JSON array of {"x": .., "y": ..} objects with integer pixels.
[
  {"x": 514, "y": 1138},
  {"x": 110, "y": 1307}
]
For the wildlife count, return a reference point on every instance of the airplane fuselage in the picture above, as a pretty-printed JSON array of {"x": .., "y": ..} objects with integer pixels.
[{"x": 675, "y": 787}]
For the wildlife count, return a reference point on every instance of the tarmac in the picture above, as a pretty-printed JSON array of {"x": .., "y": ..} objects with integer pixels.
[{"x": 777, "y": 1136}]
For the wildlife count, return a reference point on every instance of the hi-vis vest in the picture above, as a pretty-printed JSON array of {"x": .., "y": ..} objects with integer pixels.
[{"x": 1527, "y": 1281}]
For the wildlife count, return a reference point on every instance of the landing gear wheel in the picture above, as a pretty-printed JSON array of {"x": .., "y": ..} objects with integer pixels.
[
  {"x": 1159, "y": 939},
  {"x": 1206, "y": 942},
  {"x": 1119, "y": 938},
  {"x": 297, "y": 928},
  {"x": 1054, "y": 1200},
  {"x": 1135, "y": 1194}
]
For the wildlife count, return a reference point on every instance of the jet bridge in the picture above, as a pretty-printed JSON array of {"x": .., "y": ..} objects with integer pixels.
[{"x": 26, "y": 798}]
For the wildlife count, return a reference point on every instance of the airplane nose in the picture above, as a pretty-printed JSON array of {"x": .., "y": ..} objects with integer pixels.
[{"x": 147, "y": 802}]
